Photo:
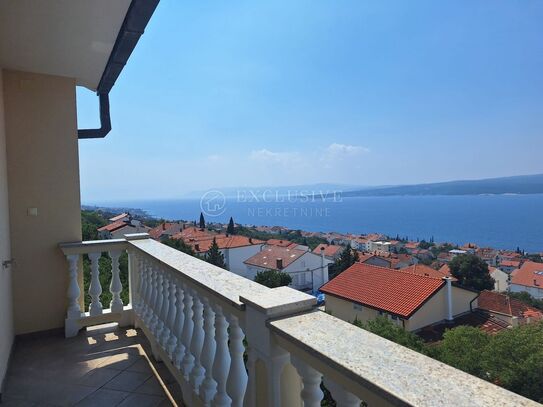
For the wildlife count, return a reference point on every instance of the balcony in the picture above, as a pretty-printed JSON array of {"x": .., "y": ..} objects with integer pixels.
[{"x": 222, "y": 340}]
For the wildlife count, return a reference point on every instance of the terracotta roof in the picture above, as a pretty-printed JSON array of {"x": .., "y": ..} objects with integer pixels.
[
  {"x": 503, "y": 304},
  {"x": 223, "y": 241},
  {"x": 478, "y": 319},
  {"x": 267, "y": 258},
  {"x": 393, "y": 291},
  {"x": 158, "y": 231},
  {"x": 193, "y": 233},
  {"x": 280, "y": 242},
  {"x": 529, "y": 275},
  {"x": 118, "y": 217},
  {"x": 510, "y": 263},
  {"x": 411, "y": 245},
  {"x": 330, "y": 250},
  {"x": 112, "y": 226},
  {"x": 424, "y": 270}
]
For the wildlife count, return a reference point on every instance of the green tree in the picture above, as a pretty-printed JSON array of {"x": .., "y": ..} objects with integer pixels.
[
  {"x": 214, "y": 255},
  {"x": 514, "y": 360},
  {"x": 231, "y": 229},
  {"x": 528, "y": 299},
  {"x": 385, "y": 328},
  {"x": 273, "y": 278},
  {"x": 462, "y": 348},
  {"x": 180, "y": 245},
  {"x": 347, "y": 258},
  {"x": 202, "y": 221},
  {"x": 471, "y": 272}
]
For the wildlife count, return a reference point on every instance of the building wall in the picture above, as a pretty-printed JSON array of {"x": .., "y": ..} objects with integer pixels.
[
  {"x": 435, "y": 309},
  {"x": 349, "y": 311},
  {"x": 43, "y": 173},
  {"x": 235, "y": 257},
  {"x": 533, "y": 291},
  {"x": 6, "y": 313},
  {"x": 500, "y": 280}
]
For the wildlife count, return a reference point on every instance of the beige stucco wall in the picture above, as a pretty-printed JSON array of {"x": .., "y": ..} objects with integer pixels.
[
  {"x": 6, "y": 314},
  {"x": 43, "y": 173},
  {"x": 346, "y": 311},
  {"x": 435, "y": 309}
]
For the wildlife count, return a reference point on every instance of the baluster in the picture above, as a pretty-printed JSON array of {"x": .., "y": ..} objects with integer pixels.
[
  {"x": 221, "y": 364},
  {"x": 149, "y": 295},
  {"x": 209, "y": 385},
  {"x": 115, "y": 287},
  {"x": 152, "y": 317},
  {"x": 142, "y": 288},
  {"x": 179, "y": 351},
  {"x": 188, "y": 359},
  {"x": 342, "y": 397},
  {"x": 95, "y": 289},
  {"x": 157, "y": 319},
  {"x": 172, "y": 318},
  {"x": 198, "y": 372},
  {"x": 164, "y": 334},
  {"x": 237, "y": 377},
  {"x": 311, "y": 393},
  {"x": 74, "y": 310}
]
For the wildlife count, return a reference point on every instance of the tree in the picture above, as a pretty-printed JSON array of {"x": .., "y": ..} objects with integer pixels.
[
  {"x": 528, "y": 299},
  {"x": 462, "y": 348},
  {"x": 347, "y": 258},
  {"x": 471, "y": 272},
  {"x": 202, "y": 221},
  {"x": 273, "y": 278},
  {"x": 214, "y": 255},
  {"x": 385, "y": 328},
  {"x": 180, "y": 245},
  {"x": 230, "y": 229}
]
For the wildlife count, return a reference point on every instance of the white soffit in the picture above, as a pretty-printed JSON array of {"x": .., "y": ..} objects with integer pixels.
[{"x": 71, "y": 38}]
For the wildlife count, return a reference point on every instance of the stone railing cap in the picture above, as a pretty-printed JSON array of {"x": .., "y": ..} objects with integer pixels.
[{"x": 280, "y": 301}]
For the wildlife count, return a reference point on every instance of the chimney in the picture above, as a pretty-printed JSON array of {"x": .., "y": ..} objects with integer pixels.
[
  {"x": 226, "y": 234},
  {"x": 448, "y": 295},
  {"x": 250, "y": 240},
  {"x": 279, "y": 263},
  {"x": 197, "y": 247}
]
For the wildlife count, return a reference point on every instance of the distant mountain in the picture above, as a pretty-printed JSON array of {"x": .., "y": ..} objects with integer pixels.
[
  {"x": 281, "y": 190},
  {"x": 522, "y": 184}
]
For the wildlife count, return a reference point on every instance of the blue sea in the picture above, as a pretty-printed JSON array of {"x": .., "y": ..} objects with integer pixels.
[{"x": 500, "y": 221}]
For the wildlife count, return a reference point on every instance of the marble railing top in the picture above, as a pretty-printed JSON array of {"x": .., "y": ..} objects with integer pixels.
[{"x": 388, "y": 370}]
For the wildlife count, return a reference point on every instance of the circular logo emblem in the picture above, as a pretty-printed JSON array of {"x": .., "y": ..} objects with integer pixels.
[{"x": 213, "y": 203}]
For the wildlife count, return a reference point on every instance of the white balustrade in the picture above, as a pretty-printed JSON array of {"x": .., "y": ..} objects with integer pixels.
[
  {"x": 208, "y": 389},
  {"x": 237, "y": 376},
  {"x": 115, "y": 287},
  {"x": 197, "y": 317}
]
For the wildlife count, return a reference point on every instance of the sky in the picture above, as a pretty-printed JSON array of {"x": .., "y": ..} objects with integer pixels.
[{"x": 357, "y": 92}]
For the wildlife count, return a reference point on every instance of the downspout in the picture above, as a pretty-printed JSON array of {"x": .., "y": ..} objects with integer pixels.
[{"x": 105, "y": 121}]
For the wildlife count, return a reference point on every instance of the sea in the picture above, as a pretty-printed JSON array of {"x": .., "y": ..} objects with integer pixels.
[{"x": 499, "y": 221}]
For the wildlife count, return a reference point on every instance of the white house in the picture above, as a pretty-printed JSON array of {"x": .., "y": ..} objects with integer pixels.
[
  {"x": 500, "y": 277},
  {"x": 309, "y": 271},
  {"x": 528, "y": 278},
  {"x": 118, "y": 229}
]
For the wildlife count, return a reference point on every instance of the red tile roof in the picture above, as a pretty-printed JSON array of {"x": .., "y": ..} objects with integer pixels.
[
  {"x": 510, "y": 263},
  {"x": 393, "y": 291},
  {"x": 530, "y": 275},
  {"x": 267, "y": 258},
  {"x": 223, "y": 241},
  {"x": 112, "y": 226},
  {"x": 118, "y": 217},
  {"x": 280, "y": 242},
  {"x": 330, "y": 250},
  {"x": 503, "y": 304},
  {"x": 158, "y": 231},
  {"x": 424, "y": 270}
]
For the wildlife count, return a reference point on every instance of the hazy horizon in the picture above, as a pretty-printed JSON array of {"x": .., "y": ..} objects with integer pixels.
[{"x": 298, "y": 93}]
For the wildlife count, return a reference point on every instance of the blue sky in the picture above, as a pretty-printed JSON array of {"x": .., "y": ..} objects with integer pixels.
[{"x": 253, "y": 93}]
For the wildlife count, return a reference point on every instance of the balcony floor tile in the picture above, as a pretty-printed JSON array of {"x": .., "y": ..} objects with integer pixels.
[{"x": 107, "y": 366}]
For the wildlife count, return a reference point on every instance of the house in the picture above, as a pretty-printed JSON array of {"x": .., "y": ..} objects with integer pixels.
[
  {"x": 380, "y": 246},
  {"x": 369, "y": 258},
  {"x": 281, "y": 243},
  {"x": 166, "y": 230},
  {"x": 123, "y": 217},
  {"x": 235, "y": 249},
  {"x": 331, "y": 252},
  {"x": 489, "y": 256},
  {"x": 501, "y": 279},
  {"x": 413, "y": 301},
  {"x": 308, "y": 270},
  {"x": 528, "y": 278},
  {"x": 509, "y": 265},
  {"x": 509, "y": 310},
  {"x": 119, "y": 228},
  {"x": 410, "y": 246},
  {"x": 457, "y": 252}
]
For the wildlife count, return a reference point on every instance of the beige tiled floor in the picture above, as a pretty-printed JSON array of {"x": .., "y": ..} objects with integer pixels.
[{"x": 106, "y": 366}]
